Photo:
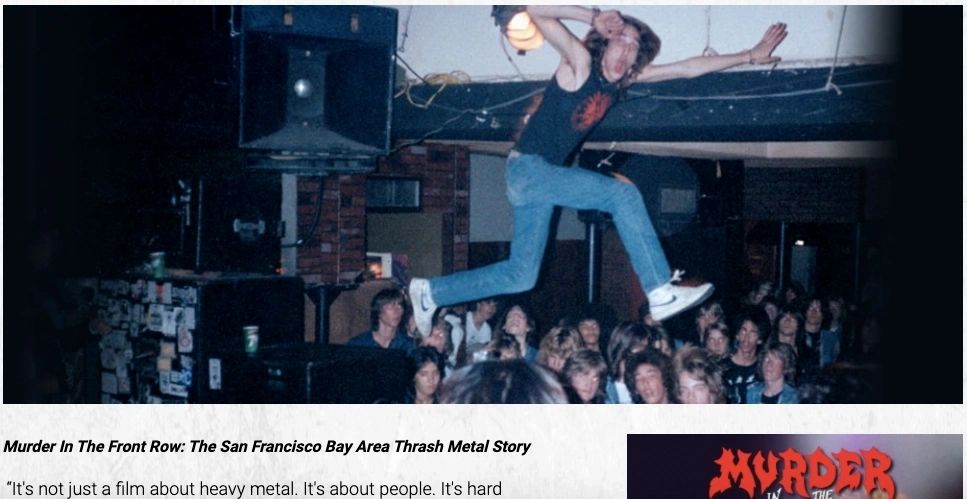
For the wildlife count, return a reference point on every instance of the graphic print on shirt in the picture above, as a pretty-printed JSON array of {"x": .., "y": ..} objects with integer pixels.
[{"x": 591, "y": 111}]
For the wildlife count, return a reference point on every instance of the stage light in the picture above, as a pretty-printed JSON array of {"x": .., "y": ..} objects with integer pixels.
[{"x": 518, "y": 27}]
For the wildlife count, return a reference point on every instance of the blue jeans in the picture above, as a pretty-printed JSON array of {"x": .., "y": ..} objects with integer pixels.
[{"x": 534, "y": 188}]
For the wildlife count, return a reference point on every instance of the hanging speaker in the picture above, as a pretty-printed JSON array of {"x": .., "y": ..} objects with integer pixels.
[
  {"x": 306, "y": 85},
  {"x": 317, "y": 80}
]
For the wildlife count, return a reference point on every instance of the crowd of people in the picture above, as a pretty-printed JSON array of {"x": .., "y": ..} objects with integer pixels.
[{"x": 776, "y": 348}]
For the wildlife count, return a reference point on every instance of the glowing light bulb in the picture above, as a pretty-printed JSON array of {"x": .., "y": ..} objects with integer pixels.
[{"x": 302, "y": 88}]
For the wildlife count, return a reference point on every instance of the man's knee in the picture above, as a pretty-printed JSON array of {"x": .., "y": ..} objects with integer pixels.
[
  {"x": 623, "y": 196},
  {"x": 523, "y": 277},
  {"x": 628, "y": 192}
]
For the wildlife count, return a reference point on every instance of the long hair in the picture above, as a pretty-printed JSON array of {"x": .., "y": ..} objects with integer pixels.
[
  {"x": 563, "y": 341},
  {"x": 757, "y": 317},
  {"x": 384, "y": 297},
  {"x": 800, "y": 327},
  {"x": 697, "y": 363},
  {"x": 648, "y": 46},
  {"x": 788, "y": 357},
  {"x": 494, "y": 382},
  {"x": 415, "y": 361},
  {"x": 586, "y": 361},
  {"x": 652, "y": 358},
  {"x": 531, "y": 323},
  {"x": 624, "y": 338}
]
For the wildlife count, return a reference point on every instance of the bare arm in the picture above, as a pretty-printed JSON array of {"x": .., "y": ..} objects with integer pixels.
[
  {"x": 575, "y": 59},
  {"x": 698, "y": 66}
]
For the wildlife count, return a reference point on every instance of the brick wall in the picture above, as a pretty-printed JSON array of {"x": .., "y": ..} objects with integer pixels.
[
  {"x": 445, "y": 171},
  {"x": 339, "y": 242}
]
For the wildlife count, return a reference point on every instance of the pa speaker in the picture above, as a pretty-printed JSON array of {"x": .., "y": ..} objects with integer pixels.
[
  {"x": 237, "y": 226},
  {"x": 317, "y": 80}
]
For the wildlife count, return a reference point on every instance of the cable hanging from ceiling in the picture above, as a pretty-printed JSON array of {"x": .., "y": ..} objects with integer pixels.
[
  {"x": 829, "y": 84},
  {"x": 458, "y": 77}
]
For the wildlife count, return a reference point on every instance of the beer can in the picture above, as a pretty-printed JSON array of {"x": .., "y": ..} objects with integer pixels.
[{"x": 251, "y": 337}]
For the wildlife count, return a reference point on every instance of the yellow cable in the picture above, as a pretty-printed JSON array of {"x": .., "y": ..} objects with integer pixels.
[{"x": 442, "y": 79}]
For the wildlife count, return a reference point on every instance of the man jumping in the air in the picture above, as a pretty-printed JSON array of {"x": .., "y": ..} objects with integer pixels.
[{"x": 616, "y": 53}]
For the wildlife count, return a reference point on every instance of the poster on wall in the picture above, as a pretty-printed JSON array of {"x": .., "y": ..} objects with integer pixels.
[{"x": 795, "y": 466}]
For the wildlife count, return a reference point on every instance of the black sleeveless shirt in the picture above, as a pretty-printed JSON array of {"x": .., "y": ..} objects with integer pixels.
[{"x": 564, "y": 119}]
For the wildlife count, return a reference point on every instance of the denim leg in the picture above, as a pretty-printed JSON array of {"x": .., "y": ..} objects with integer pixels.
[
  {"x": 541, "y": 182},
  {"x": 514, "y": 275}
]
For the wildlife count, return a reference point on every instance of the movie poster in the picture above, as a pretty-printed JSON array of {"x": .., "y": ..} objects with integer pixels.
[{"x": 795, "y": 466}]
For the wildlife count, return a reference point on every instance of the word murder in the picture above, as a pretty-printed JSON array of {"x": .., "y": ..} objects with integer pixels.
[{"x": 92, "y": 446}]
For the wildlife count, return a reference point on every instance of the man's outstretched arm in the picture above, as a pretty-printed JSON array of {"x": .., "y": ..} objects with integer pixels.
[{"x": 700, "y": 65}]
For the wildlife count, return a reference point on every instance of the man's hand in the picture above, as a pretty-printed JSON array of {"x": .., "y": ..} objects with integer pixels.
[
  {"x": 608, "y": 23},
  {"x": 762, "y": 52}
]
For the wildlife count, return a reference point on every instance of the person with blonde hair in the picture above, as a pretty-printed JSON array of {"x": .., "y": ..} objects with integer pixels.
[
  {"x": 584, "y": 376},
  {"x": 557, "y": 346},
  {"x": 777, "y": 370},
  {"x": 698, "y": 378}
]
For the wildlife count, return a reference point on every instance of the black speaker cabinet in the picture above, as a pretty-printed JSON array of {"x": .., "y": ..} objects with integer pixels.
[
  {"x": 332, "y": 374},
  {"x": 317, "y": 79},
  {"x": 237, "y": 223}
]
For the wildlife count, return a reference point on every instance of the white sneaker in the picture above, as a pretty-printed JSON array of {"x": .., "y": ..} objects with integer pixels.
[
  {"x": 423, "y": 306},
  {"x": 670, "y": 299}
]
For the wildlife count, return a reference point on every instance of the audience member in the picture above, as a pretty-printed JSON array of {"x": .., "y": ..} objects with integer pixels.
[
  {"x": 793, "y": 294},
  {"x": 659, "y": 339},
  {"x": 777, "y": 370},
  {"x": 650, "y": 376},
  {"x": 386, "y": 312},
  {"x": 476, "y": 326},
  {"x": 458, "y": 352},
  {"x": 839, "y": 320},
  {"x": 752, "y": 328},
  {"x": 718, "y": 341},
  {"x": 698, "y": 378},
  {"x": 348, "y": 313},
  {"x": 512, "y": 382},
  {"x": 557, "y": 346},
  {"x": 822, "y": 343},
  {"x": 502, "y": 347},
  {"x": 789, "y": 329},
  {"x": 426, "y": 368},
  {"x": 627, "y": 338},
  {"x": 439, "y": 337},
  {"x": 708, "y": 314},
  {"x": 762, "y": 291},
  {"x": 770, "y": 306},
  {"x": 519, "y": 323},
  {"x": 584, "y": 374},
  {"x": 590, "y": 329}
]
